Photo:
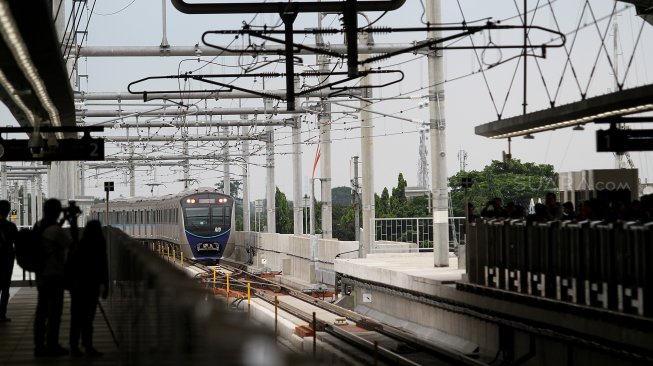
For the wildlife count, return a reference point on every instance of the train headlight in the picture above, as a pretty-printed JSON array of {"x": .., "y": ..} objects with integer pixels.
[{"x": 190, "y": 200}]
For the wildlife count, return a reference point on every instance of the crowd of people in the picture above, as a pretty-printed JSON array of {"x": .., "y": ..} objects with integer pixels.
[
  {"x": 80, "y": 267},
  {"x": 552, "y": 210}
]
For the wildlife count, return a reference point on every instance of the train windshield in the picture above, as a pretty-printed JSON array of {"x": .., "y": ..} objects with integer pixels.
[
  {"x": 197, "y": 218},
  {"x": 221, "y": 215}
]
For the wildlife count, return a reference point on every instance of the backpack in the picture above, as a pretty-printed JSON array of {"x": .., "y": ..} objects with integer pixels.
[{"x": 30, "y": 251}]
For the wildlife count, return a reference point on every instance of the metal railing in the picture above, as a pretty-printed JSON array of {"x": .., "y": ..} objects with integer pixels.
[
  {"x": 607, "y": 266},
  {"x": 163, "y": 317},
  {"x": 416, "y": 230}
]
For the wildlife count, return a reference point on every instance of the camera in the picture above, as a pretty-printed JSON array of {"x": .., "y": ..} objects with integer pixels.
[{"x": 71, "y": 212}]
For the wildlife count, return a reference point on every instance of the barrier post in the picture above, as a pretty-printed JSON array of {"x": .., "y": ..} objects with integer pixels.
[
  {"x": 182, "y": 259},
  {"x": 314, "y": 335},
  {"x": 227, "y": 290},
  {"x": 215, "y": 272},
  {"x": 276, "y": 316},
  {"x": 249, "y": 297}
]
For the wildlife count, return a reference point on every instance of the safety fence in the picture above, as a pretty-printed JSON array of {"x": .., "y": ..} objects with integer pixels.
[
  {"x": 161, "y": 316},
  {"x": 608, "y": 266},
  {"x": 417, "y": 230}
]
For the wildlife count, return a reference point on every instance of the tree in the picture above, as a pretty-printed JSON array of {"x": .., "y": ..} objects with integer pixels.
[
  {"x": 283, "y": 213},
  {"x": 234, "y": 185},
  {"x": 512, "y": 182}
]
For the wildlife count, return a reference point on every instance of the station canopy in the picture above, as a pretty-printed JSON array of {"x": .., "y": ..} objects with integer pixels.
[{"x": 617, "y": 104}]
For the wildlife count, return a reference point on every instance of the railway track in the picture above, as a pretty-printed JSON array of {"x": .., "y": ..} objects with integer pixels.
[{"x": 382, "y": 344}]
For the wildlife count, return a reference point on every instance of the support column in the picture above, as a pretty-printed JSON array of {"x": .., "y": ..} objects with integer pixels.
[
  {"x": 438, "y": 144},
  {"x": 3, "y": 181},
  {"x": 297, "y": 194},
  {"x": 226, "y": 181},
  {"x": 367, "y": 157},
  {"x": 132, "y": 172},
  {"x": 35, "y": 195},
  {"x": 39, "y": 196},
  {"x": 324, "y": 122},
  {"x": 270, "y": 187},
  {"x": 246, "y": 213},
  {"x": 186, "y": 161}
]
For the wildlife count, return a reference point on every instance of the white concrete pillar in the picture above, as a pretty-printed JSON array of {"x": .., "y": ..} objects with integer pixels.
[
  {"x": 270, "y": 187},
  {"x": 324, "y": 123},
  {"x": 186, "y": 162},
  {"x": 438, "y": 144},
  {"x": 39, "y": 197},
  {"x": 367, "y": 164},
  {"x": 34, "y": 193},
  {"x": 246, "y": 213},
  {"x": 225, "y": 163},
  {"x": 297, "y": 194},
  {"x": 3, "y": 181},
  {"x": 132, "y": 172}
]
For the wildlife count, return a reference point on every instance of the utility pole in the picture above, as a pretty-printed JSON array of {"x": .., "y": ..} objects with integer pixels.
[
  {"x": 297, "y": 195},
  {"x": 225, "y": 163},
  {"x": 246, "y": 212},
  {"x": 357, "y": 208},
  {"x": 438, "y": 143},
  {"x": 270, "y": 186},
  {"x": 324, "y": 123},
  {"x": 367, "y": 155}
]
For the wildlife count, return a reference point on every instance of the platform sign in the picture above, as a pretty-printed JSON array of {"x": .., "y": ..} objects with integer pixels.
[
  {"x": 83, "y": 149},
  {"x": 622, "y": 140},
  {"x": 108, "y": 186}
]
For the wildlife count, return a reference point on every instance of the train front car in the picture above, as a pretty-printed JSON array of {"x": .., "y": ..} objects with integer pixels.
[{"x": 207, "y": 224}]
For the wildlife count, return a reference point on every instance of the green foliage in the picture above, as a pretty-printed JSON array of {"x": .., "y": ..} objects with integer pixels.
[
  {"x": 341, "y": 196},
  {"x": 397, "y": 205},
  {"x": 283, "y": 214},
  {"x": 234, "y": 186},
  {"x": 514, "y": 181}
]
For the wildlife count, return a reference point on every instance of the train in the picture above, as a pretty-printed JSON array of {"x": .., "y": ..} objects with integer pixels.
[{"x": 199, "y": 222}]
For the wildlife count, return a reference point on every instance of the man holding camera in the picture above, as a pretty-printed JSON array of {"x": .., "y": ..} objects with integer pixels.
[
  {"x": 8, "y": 233},
  {"x": 50, "y": 282}
]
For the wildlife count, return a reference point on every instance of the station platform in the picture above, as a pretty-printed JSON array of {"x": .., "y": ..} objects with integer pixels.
[
  {"x": 406, "y": 290},
  {"x": 17, "y": 345},
  {"x": 409, "y": 271}
]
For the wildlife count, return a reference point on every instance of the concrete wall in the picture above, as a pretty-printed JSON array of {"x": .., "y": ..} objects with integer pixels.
[{"x": 291, "y": 255}]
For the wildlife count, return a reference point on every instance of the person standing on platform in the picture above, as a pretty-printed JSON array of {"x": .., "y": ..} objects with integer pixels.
[
  {"x": 50, "y": 282},
  {"x": 89, "y": 276},
  {"x": 8, "y": 234}
]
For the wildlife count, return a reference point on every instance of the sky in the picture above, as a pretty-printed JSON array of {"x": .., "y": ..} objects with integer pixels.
[{"x": 472, "y": 97}]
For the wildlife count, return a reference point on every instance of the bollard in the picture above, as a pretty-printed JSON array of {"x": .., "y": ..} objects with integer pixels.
[
  {"x": 182, "y": 259},
  {"x": 314, "y": 335},
  {"x": 227, "y": 274},
  {"x": 249, "y": 297},
  {"x": 168, "y": 249},
  {"x": 174, "y": 256},
  {"x": 215, "y": 271},
  {"x": 276, "y": 313}
]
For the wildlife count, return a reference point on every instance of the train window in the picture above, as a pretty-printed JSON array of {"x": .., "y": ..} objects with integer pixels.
[
  {"x": 197, "y": 218},
  {"x": 217, "y": 215},
  {"x": 227, "y": 216}
]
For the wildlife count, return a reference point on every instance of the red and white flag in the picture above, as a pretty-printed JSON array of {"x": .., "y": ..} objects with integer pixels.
[{"x": 317, "y": 158}]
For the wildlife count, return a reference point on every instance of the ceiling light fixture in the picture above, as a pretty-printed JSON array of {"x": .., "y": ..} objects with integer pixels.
[
  {"x": 529, "y": 137},
  {"x": 15, "y": 43},
  {"x": 14, "y": 95},
  {"x": 579, "y": 128}
]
